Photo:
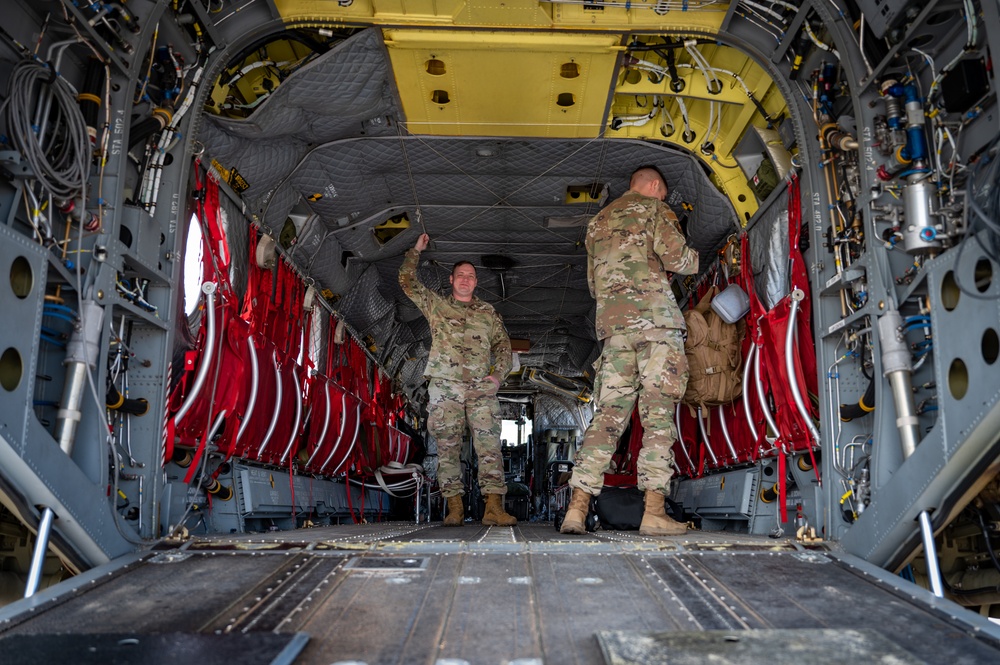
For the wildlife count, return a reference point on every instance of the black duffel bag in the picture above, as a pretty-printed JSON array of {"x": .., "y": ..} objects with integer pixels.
[{"x": 620, "y": 508}]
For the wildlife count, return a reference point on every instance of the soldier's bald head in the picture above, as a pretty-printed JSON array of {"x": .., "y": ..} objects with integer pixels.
[{"x": 649, "y": 182}]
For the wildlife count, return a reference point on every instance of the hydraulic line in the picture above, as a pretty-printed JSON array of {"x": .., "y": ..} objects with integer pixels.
[
  {"x": 820, "y": 44},
  {"x": 639, "y": 119},
  {"x": 218, "y": 490},
  {"x": 688, "y": 135},
  {"x": 118, "y": 402},
  {"x": 676, "y": 82},
  {"x": 89, "y": 97},
  {"x": 151, "y": 178},
  {"x": 863, "y": 406},
  {"x": 836, "y": 229},
  {"x": 712, "y": 82}
]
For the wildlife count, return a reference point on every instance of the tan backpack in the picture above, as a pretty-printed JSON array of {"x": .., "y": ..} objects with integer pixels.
[{"x": 713, "y": 350}]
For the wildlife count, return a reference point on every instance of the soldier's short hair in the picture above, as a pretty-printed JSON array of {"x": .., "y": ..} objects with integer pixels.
[
  {"x": 645, "y": 174},
  {"x": 463, "y": 263}
]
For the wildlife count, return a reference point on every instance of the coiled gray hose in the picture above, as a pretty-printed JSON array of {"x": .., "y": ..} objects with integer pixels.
[{"x": 60, "y": 158}]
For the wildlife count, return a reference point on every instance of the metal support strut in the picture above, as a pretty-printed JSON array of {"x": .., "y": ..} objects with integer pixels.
[
  {"x": 930, "y": 554},
  {"x": 81, "y": 357}
]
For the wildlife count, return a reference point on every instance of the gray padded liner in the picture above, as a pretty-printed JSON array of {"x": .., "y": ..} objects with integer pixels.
[
  {"x": 347, "y": 91},
  {"x": 769, "y": 252},
  {"x": 551, "y": 413},
  {"x": 356, "y": 178}
]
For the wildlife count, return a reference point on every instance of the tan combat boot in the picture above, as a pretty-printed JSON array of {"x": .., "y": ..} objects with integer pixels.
[
  {"x": 576, "y": 514},
  {"x": 655, "y": 521},
  {"x": 455, "y": 514},
  {"x": 495, "y": 515}
]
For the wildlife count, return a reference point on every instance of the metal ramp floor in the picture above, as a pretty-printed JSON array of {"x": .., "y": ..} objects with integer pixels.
[{"x": 525, "y": 595}]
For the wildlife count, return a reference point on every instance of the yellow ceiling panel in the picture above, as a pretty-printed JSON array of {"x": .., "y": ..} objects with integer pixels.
[
  {"x": 706, "y": 15},
  {"x": 620, "y": 15},
  {"x": 503, "y": 83},
  {"x": 319, "y": 12},
  {"x": 505, "y": 13}
]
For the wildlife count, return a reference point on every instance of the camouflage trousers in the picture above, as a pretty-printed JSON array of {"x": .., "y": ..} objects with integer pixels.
[
  {"x": 650, "y": 366},
  {"x": 452, "y": 404}
]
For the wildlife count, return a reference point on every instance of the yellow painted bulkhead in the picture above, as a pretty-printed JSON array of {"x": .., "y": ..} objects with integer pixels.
[{"x": 471, "y": 83}]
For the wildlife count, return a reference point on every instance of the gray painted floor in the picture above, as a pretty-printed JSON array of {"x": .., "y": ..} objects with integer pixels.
[{"x": 525, "y": 595}]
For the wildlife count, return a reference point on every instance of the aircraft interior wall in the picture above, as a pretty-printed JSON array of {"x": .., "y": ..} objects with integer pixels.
[{"x": 837, "y": 159}]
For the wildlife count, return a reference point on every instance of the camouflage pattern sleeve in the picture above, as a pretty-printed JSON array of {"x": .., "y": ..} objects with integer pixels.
[
  {"x": 670, "y": 245},
  {"x": 500, "y": 348},
  {"x": 421, "y": 296}
]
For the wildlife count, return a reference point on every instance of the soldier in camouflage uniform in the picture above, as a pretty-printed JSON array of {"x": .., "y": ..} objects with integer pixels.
[
  {"x": 467, "y": 338},
  {"x": 633, "y": 246}
]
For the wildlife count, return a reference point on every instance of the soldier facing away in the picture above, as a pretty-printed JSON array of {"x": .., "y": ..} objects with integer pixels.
[
  {"x": 467, "y": 339},
  {"x": 632, "y": 247}
]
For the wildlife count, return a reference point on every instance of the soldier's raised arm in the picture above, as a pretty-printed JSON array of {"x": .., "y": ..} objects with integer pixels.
[
  {"x": 671, "y": 246},
  {"x": 417, "y": 292}
]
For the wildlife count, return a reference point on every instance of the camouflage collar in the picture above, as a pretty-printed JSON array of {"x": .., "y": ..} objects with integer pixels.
[
  {"x": 474, "y": 303},
  {"x": 637, "y": 195}
]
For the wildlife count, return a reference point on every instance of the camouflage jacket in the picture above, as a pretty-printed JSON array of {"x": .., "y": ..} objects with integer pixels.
[
  {"x": 632, "y": 247},
  {"x": 466, "y": 338}
]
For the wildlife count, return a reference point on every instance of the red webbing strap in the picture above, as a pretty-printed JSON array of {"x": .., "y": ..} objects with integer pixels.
[
  {"x": 291, "y": 312},
  {"x": 216, "y": 236},
  {"x": 347, "y": 489},
  {"x": 307, "y": 360},
  {"x": 774, "y": 326},
  {"x": 168, "y": 447},
  {"x": 258, "y": 307},
  {"x": 229, "y": 434},
  {"x": 626, "y": 460},
  {"x": 194, "y": 461},
  {"x": 296, "y": 314},
  {"x": 280, "y": 314},
  {"x": 782, "y": 508},
  {"x": 746, "y": 273},
  {"x": 328, "y": 360},
  {"x": 291, "y": 482},
  {"x": 252, "y": 310},
  {"x": 273, "y": 298},
  {"x": 806, "y": 356},
  {"x": 753, "y": 334}
]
